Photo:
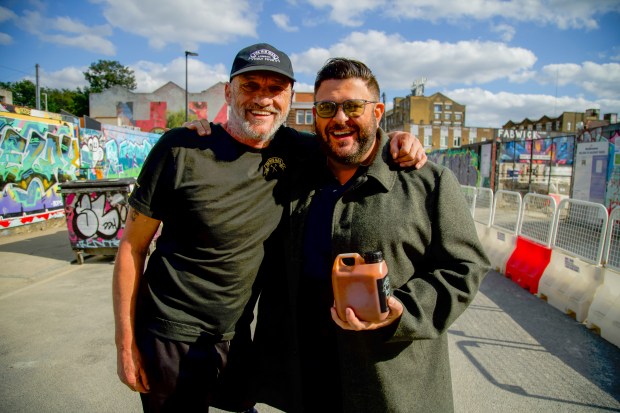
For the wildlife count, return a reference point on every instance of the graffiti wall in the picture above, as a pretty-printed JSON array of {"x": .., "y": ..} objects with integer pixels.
[
  {"x": 464, "y": 162},
  {"x": 36, "y": 154},
  {"x": 114, "y": 151},
  {"x": 40, "y": 151}
]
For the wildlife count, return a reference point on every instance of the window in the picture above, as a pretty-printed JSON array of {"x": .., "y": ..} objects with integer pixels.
[
  {"x": 437, "y": 116},
  {"x": 437, "y": 107},
  {"x": 427, "y": 140},
  {"x": 448, "y": 106},
  {"x": 548, "y": 126},
  {"x": 448, "y": 116},
  {"x": 443, "y": 137},
  {"x": 456, "y": 142},
  {"x": 304, "y": 117},
  {"x": 458, "y": 116}
]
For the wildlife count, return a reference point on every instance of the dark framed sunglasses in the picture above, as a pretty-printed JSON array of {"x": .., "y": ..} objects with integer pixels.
[{"x": 353, "y": 108}]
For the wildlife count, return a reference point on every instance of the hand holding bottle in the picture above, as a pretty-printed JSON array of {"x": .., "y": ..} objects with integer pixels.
[{"x": 354, "y": 323}]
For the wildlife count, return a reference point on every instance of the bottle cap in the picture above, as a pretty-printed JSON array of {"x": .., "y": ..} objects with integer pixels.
[{"x": 373, "y": 256}]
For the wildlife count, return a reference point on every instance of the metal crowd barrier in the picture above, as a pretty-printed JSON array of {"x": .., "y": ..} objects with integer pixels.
[
  {"x": 604, "y": 313},
  {"x": 532, "y": 253},
  {"x": 581, "y": 276},
  {"x": 574, "y": 272},
  {"x": 502, "y": 237}
]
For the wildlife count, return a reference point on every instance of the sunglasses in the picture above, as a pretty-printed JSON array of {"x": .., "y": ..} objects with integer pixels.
[{"x": 353, "y": 108}]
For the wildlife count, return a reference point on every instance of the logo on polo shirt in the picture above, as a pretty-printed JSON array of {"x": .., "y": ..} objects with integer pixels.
[
  {"x": 273, "y": 167},
  {"x": 264, "y": 55}
]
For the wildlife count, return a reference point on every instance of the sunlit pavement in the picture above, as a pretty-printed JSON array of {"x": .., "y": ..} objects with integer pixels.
[{"x": 510, "y": 351}]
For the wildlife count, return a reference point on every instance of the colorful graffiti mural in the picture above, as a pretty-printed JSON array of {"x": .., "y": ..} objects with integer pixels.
[
  {"x": 40, "y": 153},
  {"x": 463, "y": 162},
  {"x": 114, "y": 151},
  {"x": 36, "y": 154}
]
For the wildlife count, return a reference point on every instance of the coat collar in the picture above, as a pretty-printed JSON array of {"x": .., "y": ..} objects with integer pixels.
[{"x": 380, "y": 169}]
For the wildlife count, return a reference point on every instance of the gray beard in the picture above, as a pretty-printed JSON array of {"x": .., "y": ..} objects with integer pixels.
[{"x": 242, "y": 128}]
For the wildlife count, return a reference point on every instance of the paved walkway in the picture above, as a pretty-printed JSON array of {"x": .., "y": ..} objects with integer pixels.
[{"x": 510, "y": 351}]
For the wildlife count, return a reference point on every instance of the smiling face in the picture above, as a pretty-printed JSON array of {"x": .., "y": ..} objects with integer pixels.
[
  {"x": 259, "y": 103},
  {"x": 347, "y": 140}
]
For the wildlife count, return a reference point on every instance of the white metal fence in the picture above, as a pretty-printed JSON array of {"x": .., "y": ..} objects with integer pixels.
[
  {"x": 470, "y": 197},
  {"x": 612, "y": 243},
  {"x": 507, "y": 210},
  {"x": 483, "y": 209},
  {"x": 538, "y": 218},
  {"x": 580, "y": 229}
]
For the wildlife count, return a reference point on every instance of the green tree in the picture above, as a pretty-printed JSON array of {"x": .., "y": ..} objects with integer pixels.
[
  {"x": 72, "y": 101},
  {"x": 176, "y": 119},
  {"x": 24, "y": 92},
  {"x": 104, "y": 74}
]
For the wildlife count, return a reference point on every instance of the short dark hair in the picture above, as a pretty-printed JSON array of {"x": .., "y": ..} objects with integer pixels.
[{"x": 341, "y": 68}]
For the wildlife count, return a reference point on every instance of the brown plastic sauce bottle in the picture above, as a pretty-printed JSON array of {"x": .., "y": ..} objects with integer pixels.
[{"x": 361, "y": 283}]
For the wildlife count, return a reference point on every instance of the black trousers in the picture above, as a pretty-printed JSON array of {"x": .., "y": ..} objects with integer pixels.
[{"x": 188, "y": 377}]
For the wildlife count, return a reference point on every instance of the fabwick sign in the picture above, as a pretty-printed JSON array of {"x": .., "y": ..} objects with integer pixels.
[{"x": 511, "y": 134}]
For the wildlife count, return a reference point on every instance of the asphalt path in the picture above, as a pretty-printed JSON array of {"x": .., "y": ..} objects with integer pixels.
[{"x": 510, "y": 351}]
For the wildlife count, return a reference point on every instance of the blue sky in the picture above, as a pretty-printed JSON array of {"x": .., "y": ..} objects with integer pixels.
[{"x": 505, "y": 60}]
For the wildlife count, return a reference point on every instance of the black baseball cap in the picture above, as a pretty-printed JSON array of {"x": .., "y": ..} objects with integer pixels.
[{"x": 262, "y": 56}]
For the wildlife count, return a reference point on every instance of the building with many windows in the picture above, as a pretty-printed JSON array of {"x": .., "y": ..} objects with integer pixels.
[
  {"x": 437, "y": 120},
  {"x": 566, "y": 123}
]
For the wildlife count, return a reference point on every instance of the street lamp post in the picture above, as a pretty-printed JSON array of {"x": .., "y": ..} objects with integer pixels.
[{"x": 187, "y": 53}]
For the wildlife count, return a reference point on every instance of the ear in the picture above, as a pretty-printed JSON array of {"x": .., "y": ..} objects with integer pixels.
[
  {"x": 228, "y": 92},
  {"x": 379, "y": 110}
]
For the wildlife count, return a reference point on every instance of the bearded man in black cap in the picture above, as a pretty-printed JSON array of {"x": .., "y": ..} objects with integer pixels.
[{"x": 219, "y": 199}]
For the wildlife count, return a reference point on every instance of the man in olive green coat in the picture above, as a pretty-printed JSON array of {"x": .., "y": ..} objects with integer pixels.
[{"x": 310, "y": 359}]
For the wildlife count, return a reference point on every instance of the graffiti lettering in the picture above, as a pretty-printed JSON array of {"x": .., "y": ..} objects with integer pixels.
[{"x": 95, "y": 217}]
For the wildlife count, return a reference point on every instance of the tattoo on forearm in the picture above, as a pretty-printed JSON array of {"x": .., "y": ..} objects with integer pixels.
[{"x": 134, "y": 214}]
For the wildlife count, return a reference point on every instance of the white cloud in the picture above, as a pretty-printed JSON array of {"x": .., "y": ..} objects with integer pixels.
[
  {"x": 66, "y": 78},
  {"x": 186, "y": 23},
  {"x": 6, "y": 14},
  {"x": 563, "y": 14},
  {"x": 5, "y": 39},
  {"x": 151, "y": 76},
  {"x": 344, "y": 13},
  {"x": 282, "y": 21},
  {"x": 602, "y": 80},
  {"x": 92, "y": 43},
  {"x": 397, "y": 62},
  {"x": 66, "y": 31},
  {"x": 490, "y": 109},
  {"x": 506, "y": 31}
]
